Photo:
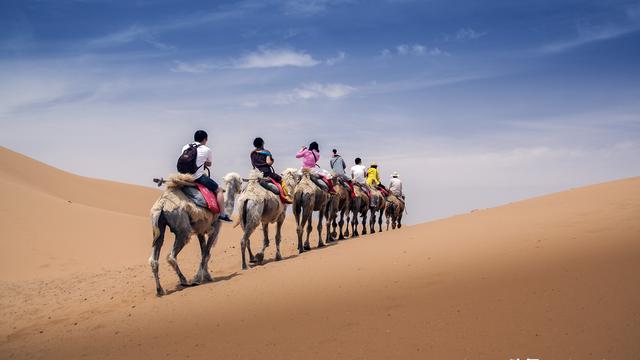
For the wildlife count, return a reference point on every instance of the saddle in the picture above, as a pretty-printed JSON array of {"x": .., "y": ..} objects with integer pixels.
[
  {"x": 384, "y": 191},
  {"x": 321, "y": 181},
  {"x": 202, "y": 197},
  {"x": 273, "y": 186},
  {"x": 348, "y": 185}
]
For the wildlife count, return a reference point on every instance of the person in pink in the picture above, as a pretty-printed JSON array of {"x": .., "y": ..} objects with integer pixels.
[{"x": 310, "y": 157}]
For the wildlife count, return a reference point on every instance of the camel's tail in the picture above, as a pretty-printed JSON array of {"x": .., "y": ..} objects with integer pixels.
[
  {"x": 242, "y": 214},
  {"x": 157, "y": 219}
]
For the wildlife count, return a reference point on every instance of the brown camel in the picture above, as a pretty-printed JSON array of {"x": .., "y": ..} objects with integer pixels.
[
  {"x": 359, "y": 206},
  {"x": 342, "y": 205},
  {"x": 184, "y": 218},
  {"x": 307, "y": 198},
  {"x": 260, "y": 206},
  {"x": 378, "y": 203},
  {"x": 394, "y": 211}
]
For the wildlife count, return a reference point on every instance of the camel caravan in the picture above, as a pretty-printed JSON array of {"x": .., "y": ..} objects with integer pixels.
[{"x": 193, "y": 203}]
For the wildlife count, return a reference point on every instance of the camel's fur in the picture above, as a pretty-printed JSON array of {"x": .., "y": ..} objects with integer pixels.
[
  {"x": 339, "y": 203},
  {"x": 184, "y": 218},
  {"x": 233, "y": 187},
  {"x": 359, "y": 206},
  {"x": 394, "y": 211},
  {"x": 307, "y": 198},
  {"x": 378, "y": 210}
]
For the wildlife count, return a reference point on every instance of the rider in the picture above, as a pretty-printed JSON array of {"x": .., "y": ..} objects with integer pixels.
[
  {"x": 395, "y": 185},
  {"x": 358, "y": 176},
  {"x": 310, "y": 157},
  {"x": 204, "y": 160},
  {"x": 337, "y": 165},
  {"x": 262, "y": 160}
]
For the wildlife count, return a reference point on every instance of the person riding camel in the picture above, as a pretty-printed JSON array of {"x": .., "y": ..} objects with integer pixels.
[
  {"x": 204, "y": 159},
  {"x": 338, "y": 168},
  {"x": 262, "y": 160},
  {"x": 395, "y": 186},
  {"x": 373, "y": 179},
  {"x": 358, "y": 176},
  {"x": 310, "y": 157},
  {"x": 337, "y": 165}
]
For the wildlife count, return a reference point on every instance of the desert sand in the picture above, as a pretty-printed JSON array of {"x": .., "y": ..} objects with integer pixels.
[{"x": 554, "y": 277}]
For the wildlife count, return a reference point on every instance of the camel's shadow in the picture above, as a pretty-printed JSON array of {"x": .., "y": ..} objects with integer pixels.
[{"x": 216, "y": 279}]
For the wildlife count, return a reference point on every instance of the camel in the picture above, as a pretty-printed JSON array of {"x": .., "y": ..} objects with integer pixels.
[
  {"x": 359, "y": 206},
  {"x": 394, "y": 211},
  {"x": 378, "y": 199},
  {"x": 184, "y": 218},
  {"x": 258, "y": 205},
  {"x": 307, "y": 198},
  {"x": 342, "y": 203}
]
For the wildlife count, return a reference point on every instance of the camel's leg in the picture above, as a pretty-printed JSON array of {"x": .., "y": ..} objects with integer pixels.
[
  {"x": 279, "y": 237},
  {"x": 265, "y": 243},
  {"x": 172, "y": 258},
  {"x": 203, "y": 275},
  {"x": 329, "y": 219},
  {"x": 372, "y": 221},
  {"x": 400, "y": 220},
  {"x": 340, "y": 225},
  {"x": 309, "y": 219},
  {"x": 319, "y": 227},
  {"x": 155, "y": 254},
  {"x": 354, "y": 221},
  {"x": 380, "y": 220},
  {"x": 364, "y": 221}
]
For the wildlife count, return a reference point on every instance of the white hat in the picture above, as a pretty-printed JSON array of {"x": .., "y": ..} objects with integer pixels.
[{"x": 395, "y": 174}]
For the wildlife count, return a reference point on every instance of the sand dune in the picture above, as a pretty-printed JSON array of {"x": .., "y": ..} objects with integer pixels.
[{"x": 550, "y": 278}]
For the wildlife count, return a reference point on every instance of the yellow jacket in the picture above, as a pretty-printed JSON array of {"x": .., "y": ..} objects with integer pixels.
[{"x": 373, "y": 178}]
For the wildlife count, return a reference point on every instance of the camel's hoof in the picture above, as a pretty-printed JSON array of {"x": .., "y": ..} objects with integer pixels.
[
  {"x": 341, "y": 237},
  {"x": 307, "y": 248},
  {"x": 321, "y": 245},
  {"x": 244, "y": 267},
  {"x": 278, "y": 257},
  {"x": 160, "y": 292},
  {"x": 259, "y": 258}
]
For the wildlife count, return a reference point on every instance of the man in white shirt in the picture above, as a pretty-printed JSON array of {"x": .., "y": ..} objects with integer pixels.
[
  {"x": 395, "y": 185},
  {"x": 358, "y": 175},
  {"x": 205, "y": 160}
]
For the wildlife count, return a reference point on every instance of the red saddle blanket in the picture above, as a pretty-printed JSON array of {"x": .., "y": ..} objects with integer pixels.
[
  {"x": 280, "y": 189},
  {"x": 210, "y": 198}
]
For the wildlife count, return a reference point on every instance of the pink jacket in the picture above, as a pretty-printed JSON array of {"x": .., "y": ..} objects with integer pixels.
[{"x": 308, "y": 161}]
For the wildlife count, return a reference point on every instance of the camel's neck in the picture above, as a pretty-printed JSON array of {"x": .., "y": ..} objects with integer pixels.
[{"x": 230, "y": 200}]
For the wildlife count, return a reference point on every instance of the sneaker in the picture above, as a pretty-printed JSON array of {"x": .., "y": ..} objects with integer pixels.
[{"x": 225, "y": 217}]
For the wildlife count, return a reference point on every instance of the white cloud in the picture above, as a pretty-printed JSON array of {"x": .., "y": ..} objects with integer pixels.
[
  {"x": 315, "y": 91},
  {"x": 415, "y": 49},
  {"x": 261, "y": 59},
  {"x": 267, "y": 58},
  {"x": 334, "y": 60},
  {"x": 309, "y": 7},
  {"x": 464, "y": 34}
]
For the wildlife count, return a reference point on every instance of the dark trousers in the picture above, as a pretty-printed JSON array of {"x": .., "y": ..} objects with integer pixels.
[
  {"x": 273, "y": 175},
  {"x": 208, "y": 183}
]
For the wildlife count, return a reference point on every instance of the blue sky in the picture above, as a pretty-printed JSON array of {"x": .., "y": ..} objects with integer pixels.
[{"x": 475, "y": 103}]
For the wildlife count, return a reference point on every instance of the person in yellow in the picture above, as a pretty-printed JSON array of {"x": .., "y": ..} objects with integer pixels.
[{"x": 373, "y": 178}]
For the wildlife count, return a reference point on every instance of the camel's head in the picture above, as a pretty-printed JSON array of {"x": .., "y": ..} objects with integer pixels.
[
  {"x": 255, "y": 175},
  {"x": 233, "y": 183}
]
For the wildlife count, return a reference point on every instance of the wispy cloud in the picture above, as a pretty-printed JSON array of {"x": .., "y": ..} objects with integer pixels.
[
  {"x": 589, "y": 34},
  {"x": 267, "y": 58},
  {"x": 337, "y": 59},
  {"x": 310, "y": 7},
  {"x": 262, "y": 58},
  {"x": 465, "y": 34},
  {"x": 315, "y": 91},
  {"x": 415, "y": 49}
]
